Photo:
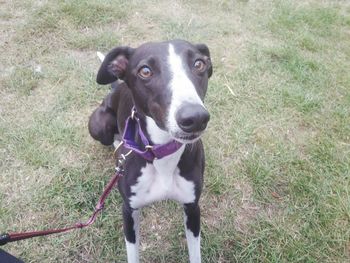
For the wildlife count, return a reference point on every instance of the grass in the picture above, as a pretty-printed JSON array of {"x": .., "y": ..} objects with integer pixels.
[{"x": 278, "y": 145}]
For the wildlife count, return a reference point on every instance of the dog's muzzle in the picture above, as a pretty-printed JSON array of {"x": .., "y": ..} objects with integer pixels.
[{"x": 192, "y": 118}]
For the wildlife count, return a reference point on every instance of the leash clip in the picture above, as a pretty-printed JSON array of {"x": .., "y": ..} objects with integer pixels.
[
  {"x": 120, "y": 160},
  {"x": 120, "y": 164}
]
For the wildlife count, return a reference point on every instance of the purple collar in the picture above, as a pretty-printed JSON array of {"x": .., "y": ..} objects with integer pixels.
[{"x": 147, "y": 151}]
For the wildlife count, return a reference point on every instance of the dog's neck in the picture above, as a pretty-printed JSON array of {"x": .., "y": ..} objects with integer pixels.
[{"x": 158, "y": 136}]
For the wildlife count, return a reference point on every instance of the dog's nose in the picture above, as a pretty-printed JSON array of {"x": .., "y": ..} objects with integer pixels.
[{"x": 192, "y": 118}]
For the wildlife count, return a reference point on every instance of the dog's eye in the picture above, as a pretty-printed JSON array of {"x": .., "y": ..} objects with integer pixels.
[
  {"x": 199, "y": 65},
  {"x": 145, "y": 72}
]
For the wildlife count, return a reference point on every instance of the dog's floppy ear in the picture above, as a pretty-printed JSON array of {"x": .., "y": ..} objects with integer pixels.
[
  {"x": 205, "y": 51},
  {"x": 114, "y": 65}
]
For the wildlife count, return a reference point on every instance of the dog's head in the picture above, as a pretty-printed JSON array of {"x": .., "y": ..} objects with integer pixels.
[{"x": 168, "y": 81}]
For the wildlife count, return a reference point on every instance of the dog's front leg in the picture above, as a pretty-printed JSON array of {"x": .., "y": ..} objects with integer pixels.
[
  {"x": 131, "y": 232},
  {"x": 192, "y": 227}
]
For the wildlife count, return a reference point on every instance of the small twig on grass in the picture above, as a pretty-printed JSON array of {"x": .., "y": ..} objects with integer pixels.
[
  {"x": 190, "y": 21},
  {"x": 228, "y": 87}
]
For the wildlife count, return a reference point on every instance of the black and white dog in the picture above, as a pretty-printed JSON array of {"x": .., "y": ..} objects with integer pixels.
[{"x": 166, "y": 82}]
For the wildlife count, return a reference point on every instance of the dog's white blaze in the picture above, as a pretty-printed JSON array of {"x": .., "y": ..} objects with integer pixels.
[
  {"x": 132, "y": 249},
  {"x": 193, "y": 244},
  {"x": 181, "y": 87}
]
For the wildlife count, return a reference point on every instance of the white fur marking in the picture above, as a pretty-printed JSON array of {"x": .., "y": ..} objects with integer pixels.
[
  {"x": 193, "y": 244},
  {"x": 132, "y": 249},
  {"x": 161, "y": 180},
  {"x": 157, "y": 135},
  {"x": 182, "y": 89},
  {"x": 100, "y": 56}
]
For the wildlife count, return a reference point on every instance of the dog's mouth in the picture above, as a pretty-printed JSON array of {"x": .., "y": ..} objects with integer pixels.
[{"x": 186, "y": 138}]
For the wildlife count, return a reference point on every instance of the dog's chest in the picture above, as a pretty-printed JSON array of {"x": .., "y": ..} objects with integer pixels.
[{"x": 162, "y": 180}]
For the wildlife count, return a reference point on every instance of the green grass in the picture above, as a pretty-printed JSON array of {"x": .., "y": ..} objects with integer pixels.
[{"x": 277, "y": 175}]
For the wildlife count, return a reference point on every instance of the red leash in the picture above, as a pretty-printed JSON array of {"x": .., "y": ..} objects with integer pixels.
[{"x": 11, "y": 237}]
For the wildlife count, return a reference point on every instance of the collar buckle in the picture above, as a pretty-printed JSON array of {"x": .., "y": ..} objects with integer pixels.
[{"x": 149, "y": 147}]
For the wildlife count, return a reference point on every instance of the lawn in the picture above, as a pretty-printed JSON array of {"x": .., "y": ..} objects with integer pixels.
[{"x": 277, "y": 180}]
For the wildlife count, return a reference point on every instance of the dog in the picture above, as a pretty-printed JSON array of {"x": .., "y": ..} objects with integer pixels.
[{"x": 164, "y": 84}]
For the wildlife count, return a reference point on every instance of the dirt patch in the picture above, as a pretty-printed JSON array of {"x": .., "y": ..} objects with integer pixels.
[
  {"x": 214, "y": 209},
  {"x": 247, "y": 210},
  {"x": 87, "y": 59},
  {"x": 26, "y": 181},
  {"x": 11, "y": 19},
  {"x": 155, "y": 227},
  {"x": 238, "y": 203}
]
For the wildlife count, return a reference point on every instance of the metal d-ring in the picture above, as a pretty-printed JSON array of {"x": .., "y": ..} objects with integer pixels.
[
  {"x": 133, "y": 112},
  {"x": 121, "y": 159},
  {"x": 122, "y": 155},
  {"x": 117, "y": 148}
]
